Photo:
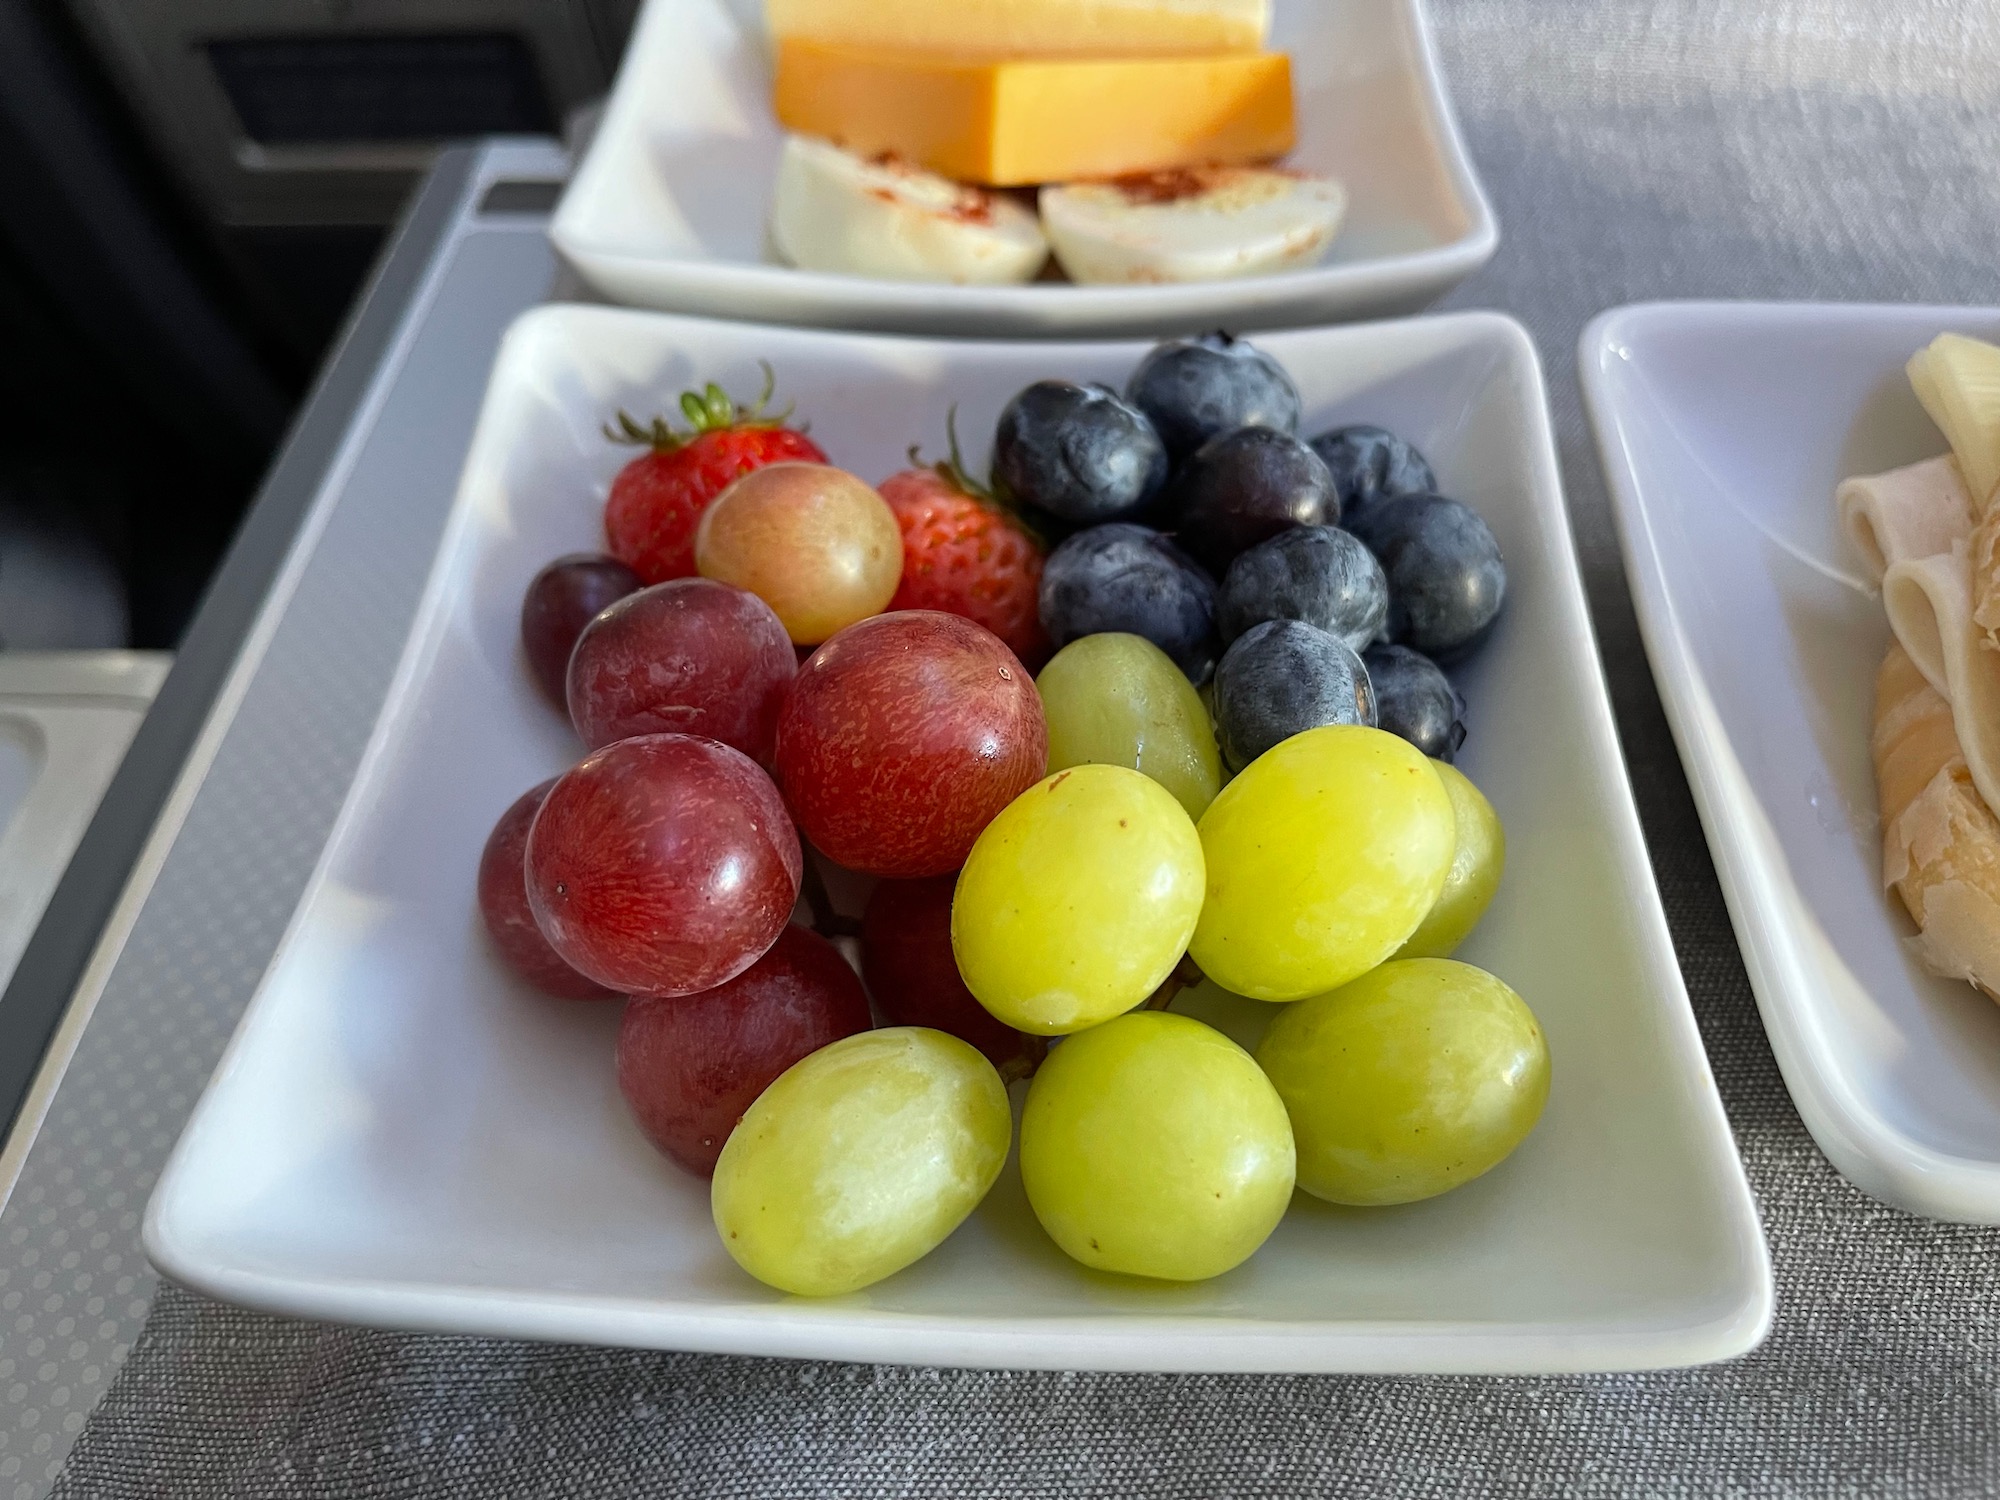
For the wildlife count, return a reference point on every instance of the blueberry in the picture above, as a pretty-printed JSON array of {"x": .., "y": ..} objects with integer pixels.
[
  {"x": 1319, "y": 574},
  {"x": 1446, "y": 577},
  {"x": 1282, "y": 678},
  {"x": 1416, "y": 700},
  {"x": 1130, "y": 578},
  {"x": 1245, "y": 487},
  {"x": 1370, "y": 464},
  {"x": 1199, "y": 388},
  {"x": 1078, "y": 452}
]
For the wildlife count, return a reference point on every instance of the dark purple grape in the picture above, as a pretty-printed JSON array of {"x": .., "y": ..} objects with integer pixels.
[
  {"x": 1244, "y": 488},
  {"x": 906, "y": 957},
  {"x": 1199, "y": 388},
  {"x": 563, "y": 598},
  {"x": 1130, "y": 578},
  {"x": 690, "y": 1065},
  {"x": 1078, "y": 452},
  {"x": 688, "y": 656},
  {"x": 1319, "y": 574},
  {"x": 1282, "y": 678},
  {"x": 1370, "y": 464},
  {"x": 1446, "y": 577},
  {"x": 503, "y": 903},
  {"x": 1414, "y": 699}
]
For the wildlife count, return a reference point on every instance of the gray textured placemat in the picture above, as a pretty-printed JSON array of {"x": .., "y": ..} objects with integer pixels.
[{"x": 1800, "y": 148}]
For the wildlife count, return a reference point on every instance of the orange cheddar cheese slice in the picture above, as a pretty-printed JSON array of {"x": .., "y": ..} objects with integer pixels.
[{"x": 1006, "y": 124}]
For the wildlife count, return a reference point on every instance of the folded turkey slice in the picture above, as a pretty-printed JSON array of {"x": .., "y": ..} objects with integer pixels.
[
  {"x": 1914, "y": 528},
  {"x": 1940, "y": 842},
  {"x": 1929, "y": 604},
  {"x": 1906, "y": 513},
  {"x": 1985, "y": 559}
]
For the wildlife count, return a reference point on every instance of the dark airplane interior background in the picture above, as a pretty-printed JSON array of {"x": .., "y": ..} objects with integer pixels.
[{"x": 191, "y": 193}]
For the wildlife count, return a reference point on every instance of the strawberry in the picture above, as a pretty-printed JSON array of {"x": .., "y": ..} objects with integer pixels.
[
  {"x": 967, "y": 554},
  {"x": 657, "y": 499}
]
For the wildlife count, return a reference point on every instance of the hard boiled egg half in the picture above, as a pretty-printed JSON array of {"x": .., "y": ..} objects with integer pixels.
[
  {"x": 836, "y": 211},
  {"x": 1193, "y": 224}
]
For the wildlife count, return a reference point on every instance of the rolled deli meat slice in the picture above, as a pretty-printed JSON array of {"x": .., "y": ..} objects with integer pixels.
[
  {"x": 1940, "y": 842},
  {"x": 1929, "y": 604},
  {"x": 1914, "y": 530},
  {"x": 1907, "y": 513}
]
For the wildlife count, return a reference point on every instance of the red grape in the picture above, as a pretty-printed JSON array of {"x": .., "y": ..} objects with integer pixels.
[
  {"x": 503, "y": 903},
  {"x": 901, "y": 739},
  {"x": 689, "y": 1066},
  {"x": 906, "y": 959},
  {"x": 562, "y": 599},
  {"x": 663, "y": 865},
  {"x": 687, "y": 657}
]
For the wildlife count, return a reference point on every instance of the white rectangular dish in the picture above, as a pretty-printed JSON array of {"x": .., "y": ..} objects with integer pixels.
[
  {"x": 400, "y": 1134},
  {"x": 668, "y": 207},
  {"x": 1725, "y": 428}
]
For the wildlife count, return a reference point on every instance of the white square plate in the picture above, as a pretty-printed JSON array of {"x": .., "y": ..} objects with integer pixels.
[
  {"x": 1725, "y": 428},
  {"x": 400, "y": 1134},
  {"x": 669, "y": 205}
]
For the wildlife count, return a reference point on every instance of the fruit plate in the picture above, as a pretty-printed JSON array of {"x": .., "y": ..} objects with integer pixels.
[
  {"x": 668, "y": 206},
  {"x": 400, "y": 1134},
  {"x": 1725, "y": 428}
]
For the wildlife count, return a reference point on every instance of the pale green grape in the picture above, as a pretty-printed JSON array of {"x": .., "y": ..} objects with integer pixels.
[
  {"x": 1119, "y": 700},
  {"x": 1155, "y": 1146},
  {"x": 860, "y": 1159},
  {"x": 1408, "y": 1082},
  {"x": 1474, "y": 875},
  {"x": 1322, "y": 857},
  {"x": 1077, "y": 900}
]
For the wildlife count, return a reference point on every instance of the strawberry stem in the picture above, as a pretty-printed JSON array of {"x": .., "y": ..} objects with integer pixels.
[
  {"x": 709, "y": 409},
  {"x": 699, "y": 408},
  {"x": 956, "y": 462},
  {"x": 655, "y": 434},
  {"x": 951, "y": 469}
]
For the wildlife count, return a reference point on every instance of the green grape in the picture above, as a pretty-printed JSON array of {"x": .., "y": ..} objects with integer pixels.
[
  {"x": 1077, "y": 900},
  {"x": 1408, "y": 1082},
  {"x": 1155, "y": 1146},
  {"x": 1474, "y": 875},
  {"x": 1119, "y": 700},
  {"x": 1323, "y": 856},
  {"x": 860, "y": 1159}
]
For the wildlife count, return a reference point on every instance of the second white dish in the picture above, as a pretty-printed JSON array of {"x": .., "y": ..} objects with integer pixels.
[
  {"x": 668, "y": 207},
  {"x": 1725, "y": 428}
]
